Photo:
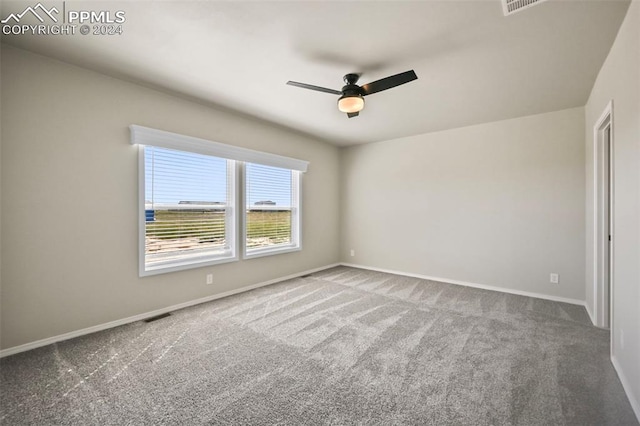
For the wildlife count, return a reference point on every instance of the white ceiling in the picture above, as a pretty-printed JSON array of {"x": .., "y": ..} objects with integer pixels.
[{"x": 474, "y": 65}]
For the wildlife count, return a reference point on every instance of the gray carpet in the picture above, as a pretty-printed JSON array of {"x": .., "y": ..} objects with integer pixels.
[{"x": 343, "y": 346}]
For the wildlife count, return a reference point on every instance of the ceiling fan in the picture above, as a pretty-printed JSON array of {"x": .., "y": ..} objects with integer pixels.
[{"x": 351, "y": 96}]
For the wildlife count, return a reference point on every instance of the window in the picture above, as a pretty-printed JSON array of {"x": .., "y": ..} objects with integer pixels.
[
  {"x": 272, "y": 210},
  {"x": 189, "y": 201}
]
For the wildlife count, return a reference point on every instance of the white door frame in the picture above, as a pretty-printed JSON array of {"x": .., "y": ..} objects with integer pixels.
[{"x": 600, "y": 240}]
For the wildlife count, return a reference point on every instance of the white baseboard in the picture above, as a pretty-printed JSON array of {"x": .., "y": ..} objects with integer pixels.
[
  {"x": 475, "y": 285},
  {"x": 591, "y": 317},
  {"x": 140, "y": 317},
  {"x": 635, "y": 404}
]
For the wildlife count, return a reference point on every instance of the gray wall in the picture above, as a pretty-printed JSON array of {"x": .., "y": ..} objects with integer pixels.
[
  {"x": 499, "y": 204},
  {"x": 69, "y": 198},
  {"x": 619, "y": 80}
]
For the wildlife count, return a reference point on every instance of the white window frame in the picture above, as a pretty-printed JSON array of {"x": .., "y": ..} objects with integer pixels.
[
  {"x": 142, "y": 136},
  {"x": 296, "y": 219},
  {"x": 229, "y": 254}
]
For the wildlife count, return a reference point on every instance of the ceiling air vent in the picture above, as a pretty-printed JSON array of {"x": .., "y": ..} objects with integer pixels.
[{"x": 512, "y": 6}]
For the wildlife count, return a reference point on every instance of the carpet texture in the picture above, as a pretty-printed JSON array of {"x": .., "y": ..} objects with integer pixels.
[{"x": 343, "y": 346}]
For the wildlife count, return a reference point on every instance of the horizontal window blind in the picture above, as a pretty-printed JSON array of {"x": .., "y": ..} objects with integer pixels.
[
  {"x": 271, "y": 207},
  {"x": 188, "y": 202}
]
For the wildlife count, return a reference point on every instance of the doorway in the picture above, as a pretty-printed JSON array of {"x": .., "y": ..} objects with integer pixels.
[{"x": 603, "y": 219}]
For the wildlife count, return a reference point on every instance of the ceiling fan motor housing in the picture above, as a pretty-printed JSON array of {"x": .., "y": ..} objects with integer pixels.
[{"x": 351, "y": 90}]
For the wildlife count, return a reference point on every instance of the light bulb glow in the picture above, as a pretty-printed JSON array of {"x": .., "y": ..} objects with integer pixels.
[{"x": 351, "y": 103}]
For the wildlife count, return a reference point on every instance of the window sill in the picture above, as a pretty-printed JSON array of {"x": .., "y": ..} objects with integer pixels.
[
  {"x": 269, "y": 251},
  {"x": 164, "y": 269}
]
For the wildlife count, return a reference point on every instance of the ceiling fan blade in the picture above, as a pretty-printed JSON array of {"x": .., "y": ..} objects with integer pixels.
[
  {"x": 312, "y": 87},
  {"x": 388, "y": 82},
  {"x": 352, "y": 114}
]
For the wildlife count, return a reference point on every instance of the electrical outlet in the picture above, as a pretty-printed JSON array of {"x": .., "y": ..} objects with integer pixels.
[
  {"x": 353, "y": 252},
  {"x": 209, "y": 278},
  {"x": 554, "y": 278}
]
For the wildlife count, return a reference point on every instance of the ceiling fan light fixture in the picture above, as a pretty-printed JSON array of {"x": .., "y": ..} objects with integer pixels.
[{"x": 350, "y": 103}]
